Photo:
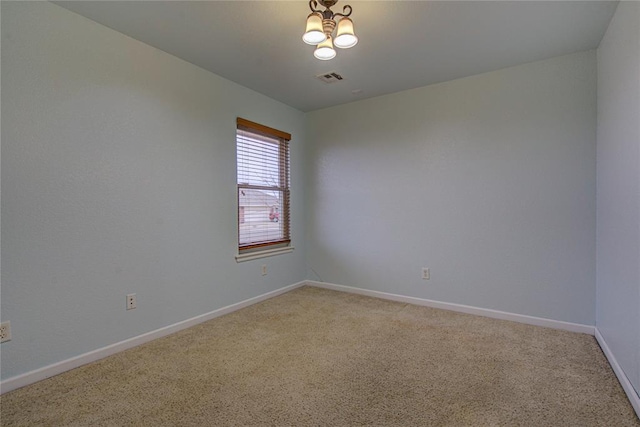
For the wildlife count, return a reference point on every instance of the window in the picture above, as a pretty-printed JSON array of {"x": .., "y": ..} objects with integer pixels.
[{"x": 263, "y": 187}]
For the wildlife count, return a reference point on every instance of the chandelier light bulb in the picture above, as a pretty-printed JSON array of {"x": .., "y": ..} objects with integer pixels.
[
  {"x": 346, "y": 37},
  {"x": 325, "y": 50},
  {"x": 314, "y": 34}
]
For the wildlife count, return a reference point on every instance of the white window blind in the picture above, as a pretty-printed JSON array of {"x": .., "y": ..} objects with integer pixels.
[{"x": 263, "y": 186}]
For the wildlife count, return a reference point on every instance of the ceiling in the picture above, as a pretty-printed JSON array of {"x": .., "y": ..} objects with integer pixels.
[{"x": 403, "y": 44}]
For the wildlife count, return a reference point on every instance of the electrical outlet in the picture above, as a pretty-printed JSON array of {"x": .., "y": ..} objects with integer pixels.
[
  {"x": 425, "y": 274},
  {"x": 5, "y": 331},
  {"x": 131, "y": 301},
  {"x": 264, "y": 270}
]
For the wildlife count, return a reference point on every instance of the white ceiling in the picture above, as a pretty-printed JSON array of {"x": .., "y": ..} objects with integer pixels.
[{"x": 403, "y": 44}]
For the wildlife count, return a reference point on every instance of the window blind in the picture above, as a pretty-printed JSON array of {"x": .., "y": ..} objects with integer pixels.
[{"x": 263, "y": 186}]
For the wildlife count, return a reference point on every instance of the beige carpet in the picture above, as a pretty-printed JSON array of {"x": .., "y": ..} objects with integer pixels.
[{"x": 314, "y": 357}]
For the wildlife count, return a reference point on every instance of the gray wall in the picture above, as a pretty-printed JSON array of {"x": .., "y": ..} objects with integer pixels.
[
  {"x": 618, "y": 229},
  {"x": 118, "y": 176},
  {"x": 488, "y": 180}
]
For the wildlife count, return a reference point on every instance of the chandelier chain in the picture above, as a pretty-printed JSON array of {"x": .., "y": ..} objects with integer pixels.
[{"x": 328, "y": 13}]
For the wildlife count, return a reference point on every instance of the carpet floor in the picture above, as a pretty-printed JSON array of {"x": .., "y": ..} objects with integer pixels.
[{"x": 315, "y": 357}]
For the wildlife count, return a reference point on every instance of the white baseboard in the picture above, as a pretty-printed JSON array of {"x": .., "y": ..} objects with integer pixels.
[
  {"x": 520, "y": 318},
  {"x": 622, "y": 377},
  {"x": 57, "y": 368}
]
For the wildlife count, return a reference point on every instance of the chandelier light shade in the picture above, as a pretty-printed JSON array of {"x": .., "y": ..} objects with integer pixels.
[
  {"x": 325, "y": 50},
  {"x": 345, "y": 38},
  {"x": 314, "y": 33},
  {"x": 320, "y": 27}
]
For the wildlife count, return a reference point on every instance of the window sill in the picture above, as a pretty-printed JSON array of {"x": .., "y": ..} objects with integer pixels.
[{"x": 263, "y": 254}]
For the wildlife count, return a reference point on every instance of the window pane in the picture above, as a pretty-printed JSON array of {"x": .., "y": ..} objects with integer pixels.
[
  {"x": 258, "y": 161},
  {"x": 260, "y": 215}
]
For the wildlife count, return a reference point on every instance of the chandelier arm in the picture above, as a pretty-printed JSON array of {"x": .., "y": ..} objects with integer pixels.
[
  {"x": 346, "y": 14},
  {"x": 312, "y": 5}
]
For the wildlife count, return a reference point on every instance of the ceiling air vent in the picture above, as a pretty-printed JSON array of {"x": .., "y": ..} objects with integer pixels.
[{"x": 330, "y": 77}]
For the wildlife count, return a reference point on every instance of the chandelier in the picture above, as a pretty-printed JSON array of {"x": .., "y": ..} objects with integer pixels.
[{"x": 320, "y": 26}]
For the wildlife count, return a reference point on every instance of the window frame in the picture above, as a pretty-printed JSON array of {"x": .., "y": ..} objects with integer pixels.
[{"x": 259, "y": 249}]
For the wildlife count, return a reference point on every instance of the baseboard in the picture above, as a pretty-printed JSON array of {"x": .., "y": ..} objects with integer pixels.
[
  {"x": 622, "y": 377},
  {"x": 520, "y": 318},
  {"x": 57, "y": 368}
]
